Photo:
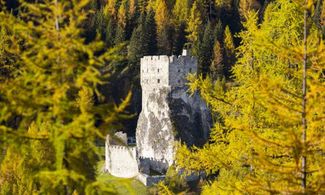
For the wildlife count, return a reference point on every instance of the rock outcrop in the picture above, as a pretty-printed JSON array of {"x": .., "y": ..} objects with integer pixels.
[{"x": 169, "y": 114}]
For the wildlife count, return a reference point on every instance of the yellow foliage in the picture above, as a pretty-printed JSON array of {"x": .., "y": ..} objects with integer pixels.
[
  {"x": 162, "y": 15},
  {"x": 47, "y": 109},
  {"x": 255, "y": 145}
]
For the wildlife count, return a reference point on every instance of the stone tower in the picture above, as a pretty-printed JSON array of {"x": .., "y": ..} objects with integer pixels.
[{"x": 168, "y": 112}]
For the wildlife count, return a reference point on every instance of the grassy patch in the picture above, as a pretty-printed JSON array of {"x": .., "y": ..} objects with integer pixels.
[{"x": 122, "y": 186}]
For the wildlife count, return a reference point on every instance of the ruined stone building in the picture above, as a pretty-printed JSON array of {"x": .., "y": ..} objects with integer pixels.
[{"x": 169, "y": 113}]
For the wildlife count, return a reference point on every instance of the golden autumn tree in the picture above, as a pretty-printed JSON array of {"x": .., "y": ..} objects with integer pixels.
[
  {"x": 269, "y": 134},
  {"x": 229, "y": 51},
  {"x": 122, "y": 19},
  {"x": 49, "y": 108},
  {"x": 133, "y": 5},
  {"x": 111, "y": 8},
  {"x": 162, "y": 17},
  {"x": 194, "y": 28},
  {"x": 181, "y": 10},
  {"x": 248, "y": 5},
  {"x": 217, "y": 67}
]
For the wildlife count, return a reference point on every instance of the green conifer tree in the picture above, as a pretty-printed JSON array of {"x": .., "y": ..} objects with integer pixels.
[
  {"x": 137, "y": 47},
  {"x": 206, "y": 50},
  {"x": 218, "y": 31},
  {"x": 150, "y": 34},
  {"x": 179, "y": 39}
]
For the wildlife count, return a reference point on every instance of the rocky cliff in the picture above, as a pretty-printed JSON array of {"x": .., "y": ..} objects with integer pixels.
[{"x": 169, "y": 114}]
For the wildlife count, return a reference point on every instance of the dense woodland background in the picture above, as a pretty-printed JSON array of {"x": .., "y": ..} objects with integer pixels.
[
  {"x": 67, "y": 69},
  {"x": 164, "y": 27}
]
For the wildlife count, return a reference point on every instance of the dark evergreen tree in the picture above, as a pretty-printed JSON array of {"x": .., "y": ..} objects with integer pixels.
[
  {"x": 151, "y": 33},
  {"x": 165, "y": 40},
  {"x": 110, "y": 32},
  {"x": 136, "y": 48},
  {"x": 179, "y": 39},
  {"x": 218, "y": 31},
  {"x": 206, "y": 50}
]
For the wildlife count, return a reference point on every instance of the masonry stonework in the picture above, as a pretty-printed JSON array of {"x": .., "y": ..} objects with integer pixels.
[{"x": 121, "y": 161}]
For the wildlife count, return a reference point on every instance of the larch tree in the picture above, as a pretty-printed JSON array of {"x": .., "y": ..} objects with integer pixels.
[
  {"x": 111, "y": 8},
  {"x": 181, "y": 10},
  {"x": 269, "y": 135},
  {"x": 226, "y": 4},
  {"x": 48, "y": 116},
  {"x": 164, "y": 30},
  {"x": 248, "y": 5},
  {"x": 194, "y": 28},
  {"x": 229, "y": 51},
  {"x": 133, "y": 7},
  {"x": 162, "y": 16},
  {"x": 122, "y": 20},
  {"x": 217, "y": 67}
]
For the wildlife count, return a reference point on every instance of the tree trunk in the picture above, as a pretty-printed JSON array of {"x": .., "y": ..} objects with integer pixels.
[{"x": 304, "y": 100}]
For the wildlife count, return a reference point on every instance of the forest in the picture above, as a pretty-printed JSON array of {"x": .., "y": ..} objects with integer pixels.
[{"x": 70, "y": 74}]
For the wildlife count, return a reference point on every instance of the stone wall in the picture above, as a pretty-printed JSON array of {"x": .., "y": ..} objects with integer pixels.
[
  {"x": 148, "y": 180},
  {"x": 179, "y": 68},
  {"x": 148, "y": 164},
  {"x": 121, "y": 161},
  {"x": 154, "y": 71}
]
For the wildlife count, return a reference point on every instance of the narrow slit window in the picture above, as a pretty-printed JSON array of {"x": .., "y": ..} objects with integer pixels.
[
  {"x": 158, "y": 70},
  {"x": 158, "y": 81},
  {"x": 190, "y": 70}
]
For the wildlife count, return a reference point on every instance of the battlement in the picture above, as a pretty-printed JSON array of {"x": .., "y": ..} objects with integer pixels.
[
  {"x": 155, "y": 58},
  {"x": 165, "y": 58},
  {"x": 150, "y": 158},
  {"x": 122, "y": 148}
]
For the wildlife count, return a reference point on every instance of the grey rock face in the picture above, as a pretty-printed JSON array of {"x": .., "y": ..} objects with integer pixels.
[
  {"x": 170, "y": 114},
  {"x": 190, "y": 117}
]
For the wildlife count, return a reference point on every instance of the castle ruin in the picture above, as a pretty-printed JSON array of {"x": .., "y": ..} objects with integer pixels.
[{"x": 168, "y": 114}]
